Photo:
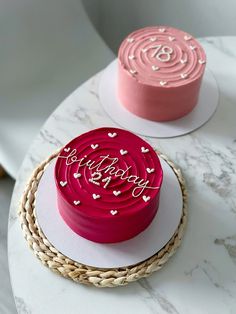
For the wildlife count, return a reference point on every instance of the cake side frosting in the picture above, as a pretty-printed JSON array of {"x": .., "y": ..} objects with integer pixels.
[
  {"x": 108, "y": 183},
  {"x": 160, "y": 70}
]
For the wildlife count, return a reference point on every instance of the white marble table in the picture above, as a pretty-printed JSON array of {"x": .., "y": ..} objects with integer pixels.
[{"x": 201, "y": 277}]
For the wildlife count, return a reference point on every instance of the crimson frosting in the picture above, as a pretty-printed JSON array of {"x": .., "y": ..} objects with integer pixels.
[
  {"x": 108, "y": 184},
  {"x": 160, "y": 69}
]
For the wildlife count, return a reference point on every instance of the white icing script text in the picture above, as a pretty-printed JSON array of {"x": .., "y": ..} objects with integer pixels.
[{"x": 111, "y": 169}]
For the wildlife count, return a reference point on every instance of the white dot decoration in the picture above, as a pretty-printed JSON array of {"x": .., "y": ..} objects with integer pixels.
[{"x": 67, "y": 149}]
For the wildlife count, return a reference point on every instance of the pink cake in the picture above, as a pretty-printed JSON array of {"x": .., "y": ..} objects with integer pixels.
[
  {"x": 108, "y": 184},
  {"x": 160, "y": 70}
]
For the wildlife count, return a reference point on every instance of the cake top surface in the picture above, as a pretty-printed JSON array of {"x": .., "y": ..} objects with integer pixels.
[
  {"x": 162, "y": 56},
  {"x": 108, "y": 172}
]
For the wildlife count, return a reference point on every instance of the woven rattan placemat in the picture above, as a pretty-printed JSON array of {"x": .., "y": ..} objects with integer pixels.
[{"x": 81, "y": 273}]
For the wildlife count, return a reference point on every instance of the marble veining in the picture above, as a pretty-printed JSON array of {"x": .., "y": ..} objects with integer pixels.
[
  {"x": 230, "y": 245},
  {"x": 211, "y": 274},
  {"x": 22, "y": 308},
  {"x": 156, "y": 298},
  {"x": 201, "y": 277},
  {"x": 49, "y": 138}
]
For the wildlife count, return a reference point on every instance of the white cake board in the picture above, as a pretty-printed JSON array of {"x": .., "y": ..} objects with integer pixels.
[
  {"x": 207, "y": 104},
  {"x": 114, "y": 255}
]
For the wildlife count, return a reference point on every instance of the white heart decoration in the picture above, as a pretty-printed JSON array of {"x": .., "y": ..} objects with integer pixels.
[
  {"x": 183, "y": 61},
  {"x": 63, "y": 183},
  {"x": 131, "y": 57},
  {"x": 155, "y": 68},
  {"x": 116, "y": 193},
  {"x": 146, "y": 198},
  {"x": 77, "y": 175},
  {"x": 76, "y": 202},
  {"x": 184, "y": 75},
  {"x": 186, "y": 37},
  {"x": 144, "y": 150},
  {"x": 201, "y": 61},
  {"x": 94, "y": 146},
  {"x": 153, "y": 38},
  {"x": 161, "y": 30},
  {"x": 144, "y": 50},
  {"x": 150, "y": 170},
  {"x": 96, "y": 196},
  {"x": 123, "y": 152},
  {"x": 113, "y": 212},
  {"x": 133, "y": 71},
  {"x": 67, "y": 149},
  {"x": 130, "y": 40},
  {"x": 192, "y": 47},
  {"x": 112, "y": 134},
  {"x": 171, "y": 38},
  {"x": 162, "y": 83}
]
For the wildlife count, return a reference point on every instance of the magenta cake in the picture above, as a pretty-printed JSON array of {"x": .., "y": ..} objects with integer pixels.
[
  {"x": 108, "y": 184},
  {"x": 160, "y": 70}
]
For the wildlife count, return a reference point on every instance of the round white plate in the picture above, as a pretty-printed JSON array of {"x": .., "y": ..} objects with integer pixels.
[
  {"x": 121, "y": 254},
  {"x": 207, "y": 104}
]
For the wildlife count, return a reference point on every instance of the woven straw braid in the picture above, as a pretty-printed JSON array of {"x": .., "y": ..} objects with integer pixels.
[{"x": 81, "y": 273}]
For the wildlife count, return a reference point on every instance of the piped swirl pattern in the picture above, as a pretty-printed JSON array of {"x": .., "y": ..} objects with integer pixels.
[
  {"x": 162, "y": 56},
  {"x": 108, "y": 175}
]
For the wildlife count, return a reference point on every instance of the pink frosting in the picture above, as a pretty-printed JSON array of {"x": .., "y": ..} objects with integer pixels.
[
  {"x": 159, "y": 72},
  {"x": 119, "y": 207}
]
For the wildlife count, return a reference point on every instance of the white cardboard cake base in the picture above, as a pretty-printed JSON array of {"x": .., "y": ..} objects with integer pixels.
[
  {"x": 115, "y": 255},
  {"x": 207, "y": 104}
]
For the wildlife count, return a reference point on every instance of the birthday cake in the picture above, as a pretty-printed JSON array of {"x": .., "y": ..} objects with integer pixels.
[
  {"x": 108, "y": 185},
  {"x": 160, "y": 70}
]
